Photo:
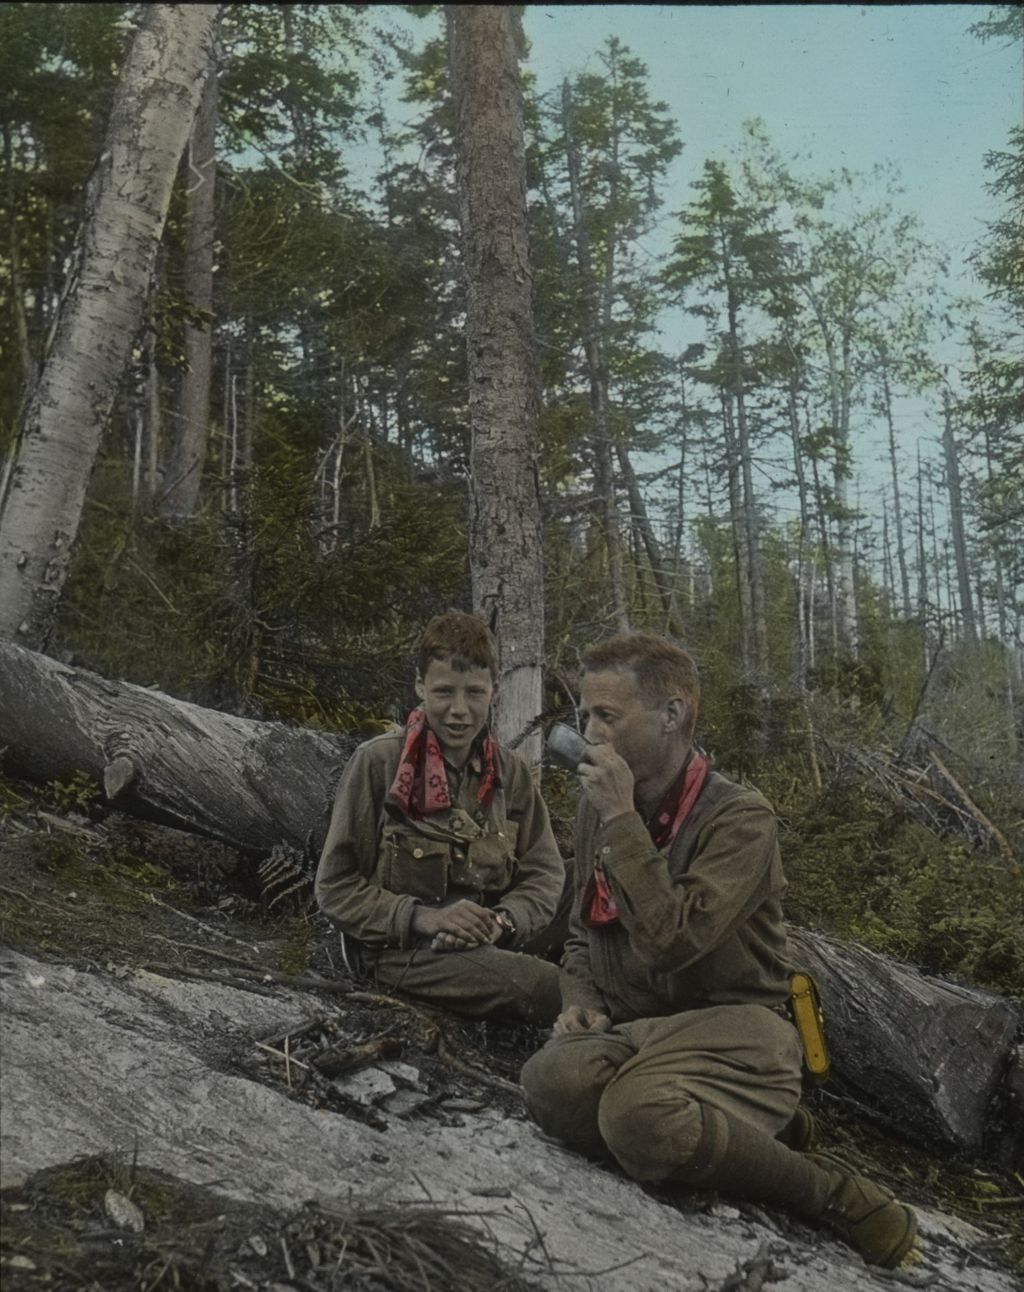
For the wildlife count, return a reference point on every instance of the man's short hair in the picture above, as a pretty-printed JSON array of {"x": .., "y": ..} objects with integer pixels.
[
  {"x": 661, "y": 668},
  {"x": 462, "y": 640}
]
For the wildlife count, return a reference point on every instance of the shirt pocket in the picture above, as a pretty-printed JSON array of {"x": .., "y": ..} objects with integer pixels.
[
  {"x": 491, "y": 864},
  {"x": 414, "y": 865}
]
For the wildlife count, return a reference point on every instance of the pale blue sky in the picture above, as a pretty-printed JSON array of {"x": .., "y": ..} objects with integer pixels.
[
  {"x": 838, "y": 85},
  {"x": 844, "y": 85}
]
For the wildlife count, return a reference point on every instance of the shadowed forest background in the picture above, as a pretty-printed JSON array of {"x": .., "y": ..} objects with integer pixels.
[{"x": 282, "y": 493}]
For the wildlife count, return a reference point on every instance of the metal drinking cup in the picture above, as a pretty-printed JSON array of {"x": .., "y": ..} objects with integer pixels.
[{"x": 565, "y": 746}]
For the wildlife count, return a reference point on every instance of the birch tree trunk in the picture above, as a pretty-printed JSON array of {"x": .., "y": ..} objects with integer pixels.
[
  {"x": 102, "y": 308},
  {"x": 188, "y": 452},
  {"x": 505, "y": 553}
]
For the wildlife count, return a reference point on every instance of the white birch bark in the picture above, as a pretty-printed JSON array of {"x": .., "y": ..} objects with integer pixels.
[
  {"x": 100, "y": 313},
  {"x": 192, "y": 426}
]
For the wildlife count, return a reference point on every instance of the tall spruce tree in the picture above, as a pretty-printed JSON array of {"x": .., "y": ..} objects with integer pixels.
[
  {"x": 725, "y": 256},
  {"x": 601, "y": 162}
]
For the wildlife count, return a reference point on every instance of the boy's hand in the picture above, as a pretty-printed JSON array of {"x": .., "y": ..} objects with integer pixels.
[
  {"x": 458, "y": 927},
  {"x": 578, "y": 1019}
]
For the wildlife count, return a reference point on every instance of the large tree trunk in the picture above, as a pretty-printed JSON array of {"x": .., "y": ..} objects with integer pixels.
[
  {"x": 506, "y": 559},
  {"x": 249, "y": 784},
  {"x": 104, "y": 297},
  {"x": 191, "y": 433},
  {"x": 933, "y": 1057},
  {"x": 929, "y": 1054}
]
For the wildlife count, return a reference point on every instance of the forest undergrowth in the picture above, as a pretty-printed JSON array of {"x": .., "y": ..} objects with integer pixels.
[{"x": 879, "y": 845}]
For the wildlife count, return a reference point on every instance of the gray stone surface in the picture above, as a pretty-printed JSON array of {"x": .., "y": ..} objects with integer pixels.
[{"x": 93, "y": 1062}]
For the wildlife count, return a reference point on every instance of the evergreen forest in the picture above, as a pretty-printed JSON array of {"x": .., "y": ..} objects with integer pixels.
[{"x": 284, "y": 490}]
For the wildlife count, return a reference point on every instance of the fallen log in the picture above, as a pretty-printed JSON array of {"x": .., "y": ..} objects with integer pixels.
[
  {"x": 935, "y": 1057},
  {"x": 250, "y": 784}
]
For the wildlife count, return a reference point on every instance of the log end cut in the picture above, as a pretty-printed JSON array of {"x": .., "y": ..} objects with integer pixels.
[{"x": 118, "y": 775}]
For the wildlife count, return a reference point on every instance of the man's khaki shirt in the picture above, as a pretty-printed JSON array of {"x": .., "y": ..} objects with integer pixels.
[
  {"x": 377, "y": 864},
  {"x": 700, "y": 924}
]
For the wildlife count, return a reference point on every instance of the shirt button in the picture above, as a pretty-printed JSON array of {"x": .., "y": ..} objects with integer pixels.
[
  {"x": 417, "y": 852},
  {"x": 606, "y": 849}
]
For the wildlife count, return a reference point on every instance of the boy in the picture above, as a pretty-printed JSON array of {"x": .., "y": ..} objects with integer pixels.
[{"x": 439, "y": 863}]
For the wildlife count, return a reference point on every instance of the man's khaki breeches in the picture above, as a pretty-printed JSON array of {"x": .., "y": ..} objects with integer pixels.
[
  {"x": 483, "y": 983},
  {"x": 636, "y": 1091}
]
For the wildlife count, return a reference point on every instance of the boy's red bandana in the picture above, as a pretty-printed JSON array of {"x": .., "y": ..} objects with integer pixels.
[
  {"x": 420, "y": 787},
  {"x": 597, "y": 903}
]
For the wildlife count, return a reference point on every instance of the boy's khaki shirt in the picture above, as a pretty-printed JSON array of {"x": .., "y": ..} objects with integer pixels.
[{"x": 377, "y": 864}]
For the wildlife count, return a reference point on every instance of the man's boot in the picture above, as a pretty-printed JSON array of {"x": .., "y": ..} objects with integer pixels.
[
  {"x": 865, "y": 1214},
  {"x": 800, "y": 1133},
  {"x": 738, "y": 1161}
]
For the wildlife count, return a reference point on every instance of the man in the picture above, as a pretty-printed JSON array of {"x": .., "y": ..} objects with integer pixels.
[
  {"x": 674, "y": 1052},
  {"x": 439, "y": 865}
]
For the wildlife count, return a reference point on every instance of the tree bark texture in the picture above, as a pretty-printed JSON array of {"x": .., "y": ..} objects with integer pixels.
[
  {"x": 187, "y": 455},
  {"x": 934, "y": 1057},
  {"x": 927, "y": 1053},
  {"x": 249, "y": 784},
  {"x": 104, "y": 298},
  {"x": 506, "y": 557}
]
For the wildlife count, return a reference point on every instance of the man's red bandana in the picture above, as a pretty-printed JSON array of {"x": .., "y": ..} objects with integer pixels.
[
  {"x": 597, "y": 903},
  {"x": 420, "y": 787}
]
